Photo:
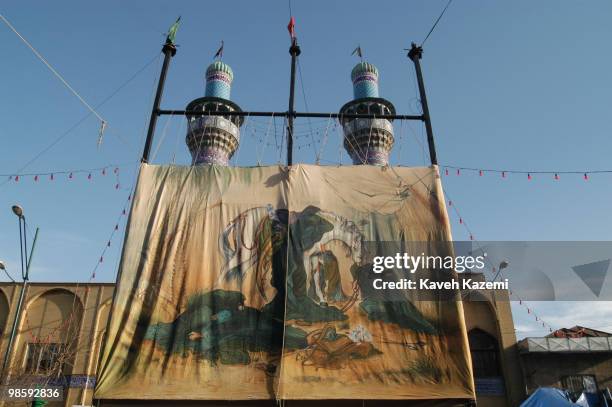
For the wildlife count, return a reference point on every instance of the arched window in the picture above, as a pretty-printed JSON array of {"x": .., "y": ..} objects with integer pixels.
[
  {"x": 51, "y": 333},
  {"x": 485, "y": 354}
]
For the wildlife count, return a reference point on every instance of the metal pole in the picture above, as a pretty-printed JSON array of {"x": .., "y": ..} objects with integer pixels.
[
  {"x": 30, "y": 257},
  {"x": 25, "y": 277},
  {"x": 169, "y": 51},
  {"x": 294, "y": 50},
  {"x": 163, "y": 112},
  {"x": 415, "y": 54}
]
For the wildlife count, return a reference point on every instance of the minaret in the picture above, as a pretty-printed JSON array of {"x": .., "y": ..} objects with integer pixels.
[
  {"x": 214, "y": 139},
  {"x": 367, "y": 141}
]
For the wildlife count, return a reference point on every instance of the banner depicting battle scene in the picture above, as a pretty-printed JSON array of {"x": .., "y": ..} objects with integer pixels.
[{"x": 256, "y": 283}]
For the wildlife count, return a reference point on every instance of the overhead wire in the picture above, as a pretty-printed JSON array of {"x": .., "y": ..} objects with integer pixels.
[
  {"x": 437, "y": 21},
  {"x": 306, "y": 104},
  {"x": 53, "y": 70},
  {"x": 80, "y": 121}
]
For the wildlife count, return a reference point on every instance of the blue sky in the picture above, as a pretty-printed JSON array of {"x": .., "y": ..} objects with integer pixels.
[{"x": 511, "y": 85}]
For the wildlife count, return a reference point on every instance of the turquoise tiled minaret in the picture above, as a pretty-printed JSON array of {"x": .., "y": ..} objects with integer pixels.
[
  {"x": 214, "y": 139},
  {"x": 219, "y": 77},
  {"x": 368, "y": 141},
  {"x": 365, "y": 80}
]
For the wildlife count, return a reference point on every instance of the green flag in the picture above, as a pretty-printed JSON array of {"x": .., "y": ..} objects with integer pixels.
[{"x": 172, "y": 31}]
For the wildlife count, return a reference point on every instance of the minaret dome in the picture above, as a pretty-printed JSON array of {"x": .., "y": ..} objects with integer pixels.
[
  {"x": 214, "y": 139},
  {"x": 368, "y": 141}
]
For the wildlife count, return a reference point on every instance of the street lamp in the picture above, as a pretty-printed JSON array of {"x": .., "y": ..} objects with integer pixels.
[
  {"x": 502, "y": 265},
  {"x": 18, "y": 210},
  {"x": 25, "y": 269},
  {"x": 3, "y": 268}
]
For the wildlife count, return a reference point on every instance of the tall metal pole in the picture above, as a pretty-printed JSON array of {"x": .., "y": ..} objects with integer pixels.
[
  {"x": 415, "y": 54},
  {"x": 294, "y": 50},
  {"x": 169, "y": 50},
  {"x": 24, "y": 287}
]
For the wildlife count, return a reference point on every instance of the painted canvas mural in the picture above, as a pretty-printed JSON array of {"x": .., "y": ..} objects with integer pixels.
[{"x": 256, "y": 283}]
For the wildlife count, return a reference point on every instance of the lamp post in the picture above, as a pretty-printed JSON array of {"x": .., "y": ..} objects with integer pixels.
[{"x": 25, "y": 270}]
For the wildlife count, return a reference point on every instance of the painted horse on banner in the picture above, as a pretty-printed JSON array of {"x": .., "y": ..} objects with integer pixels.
[{"x": 249, "y": 241}]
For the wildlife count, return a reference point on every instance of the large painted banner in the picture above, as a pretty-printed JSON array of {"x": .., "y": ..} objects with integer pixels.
[{"x": 255, "y": 283}]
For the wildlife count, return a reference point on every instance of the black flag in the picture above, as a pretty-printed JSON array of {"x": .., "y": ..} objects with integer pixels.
[
  {"x": 358, "y": 52},
  {"x": 219, "y": 53}
]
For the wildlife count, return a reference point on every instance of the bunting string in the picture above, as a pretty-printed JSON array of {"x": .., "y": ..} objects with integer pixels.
[
  {"x": 493, "y": 269},
  {"x": 115, "y": 230},
  {"x": 89, "y": 173},
  {"x": 450, "y": 170}
]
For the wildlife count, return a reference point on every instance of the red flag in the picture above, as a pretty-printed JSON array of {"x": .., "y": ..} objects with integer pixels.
[{"x": 291, "y": 27}]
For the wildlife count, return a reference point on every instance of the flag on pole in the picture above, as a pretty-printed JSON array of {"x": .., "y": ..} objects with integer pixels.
[
  {"x": 357, "y": 51},
  {"x": 172, "y": 31},
  {"x": 219, "y": 53},
  {"x": 291, "y": 27}
]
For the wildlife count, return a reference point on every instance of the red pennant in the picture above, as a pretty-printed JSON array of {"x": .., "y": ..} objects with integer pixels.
[
  {"x": 89, "y": 176},
  {"x": 35, "y": 178},
  {"x": 291, "y": 27},
  {"x": 556, "y": 177},
  {"x": 461, "y": 220},
  {"x": 586, "y": 177},
  {"x": 529, "y": 177},
  {"x": 16, "y": 178},
  {"x": 446, "y": 171},
  {"x": 480, "y": 173}
]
